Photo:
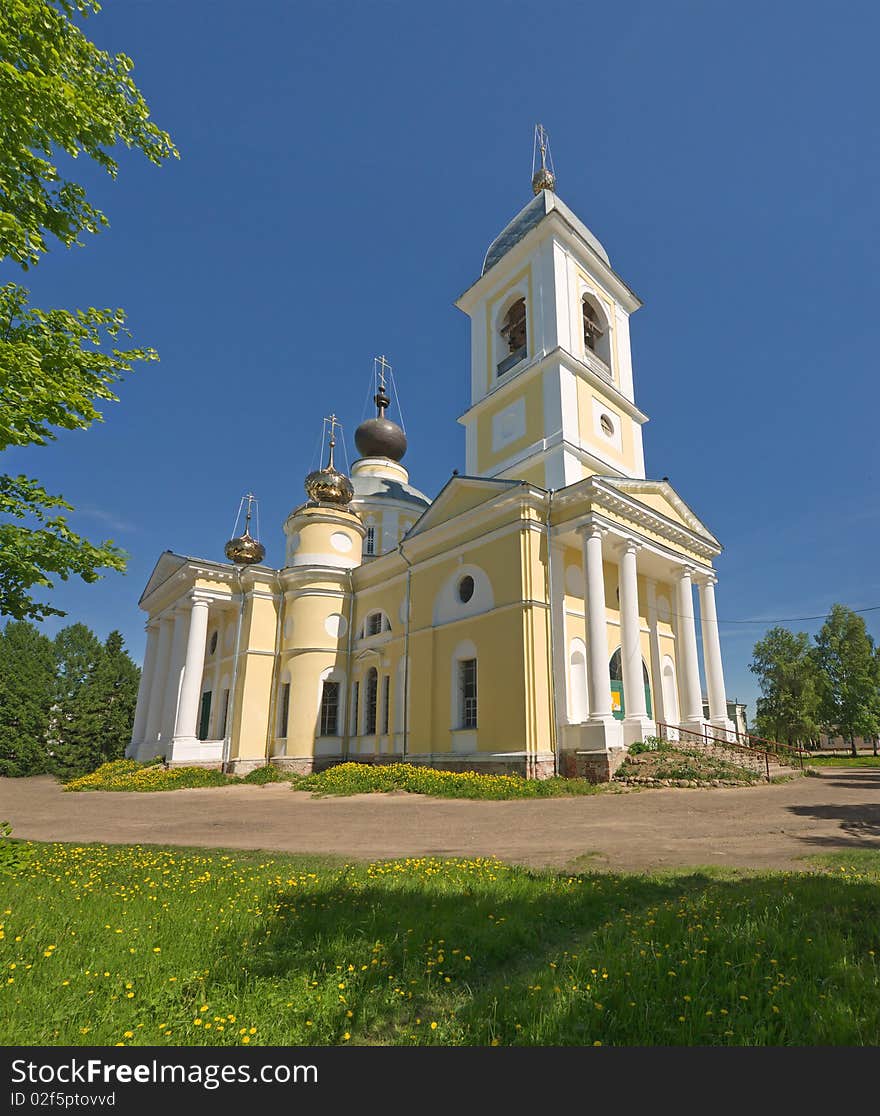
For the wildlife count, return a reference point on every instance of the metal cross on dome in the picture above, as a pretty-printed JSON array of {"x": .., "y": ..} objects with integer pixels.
[{"x": 380, "y": 365}]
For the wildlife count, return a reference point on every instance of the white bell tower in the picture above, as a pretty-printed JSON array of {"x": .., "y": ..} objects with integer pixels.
[{"x": 551, "y": 371}]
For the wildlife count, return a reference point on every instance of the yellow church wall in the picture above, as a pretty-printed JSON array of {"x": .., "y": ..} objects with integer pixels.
[
  {"x": 534, "y": 474},
  {"x": 501, "y": 706},
  {"x": 533, "y": 394},
  {"x": 499, "y": 558},
  {"x": 305, "y": 617},
  {"x": 250, "y": 717},
  {"x": 586, "y": 394},
  {"x": 660, "y": 504},
  {"x": 314, "y": 533}
]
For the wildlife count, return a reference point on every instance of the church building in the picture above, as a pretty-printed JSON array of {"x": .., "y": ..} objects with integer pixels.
[{"x": 536, "y": 616}]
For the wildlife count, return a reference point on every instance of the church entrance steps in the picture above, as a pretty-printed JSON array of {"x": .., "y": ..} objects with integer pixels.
[{"x": 767, "y": 758}]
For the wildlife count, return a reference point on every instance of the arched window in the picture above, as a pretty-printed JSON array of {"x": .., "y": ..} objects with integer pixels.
[
  {"x": 330, "y": 708},
  {"x": 578, "y": 682},
  {"x": 596, "y": 338},
  {"x": 371, "y": 695},
  {"x": 514, "y": 335},
  {"x": 376, "y": 623},
  {"x": 467, "y": 684},
  {"x": 670, "y": 692}
]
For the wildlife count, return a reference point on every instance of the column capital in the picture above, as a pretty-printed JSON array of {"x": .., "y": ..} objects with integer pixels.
[
  {"x": 196, "y": 598},
  {"x": 630, "y": 546},
  {"x": 592, "y": 531},
  {"x": 706, "y": 579},
  {"x": 684, "y": 570},
  {"x": 152, "y": 624}
]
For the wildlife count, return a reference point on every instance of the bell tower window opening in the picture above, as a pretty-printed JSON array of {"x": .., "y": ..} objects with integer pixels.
[
  {"x": 515, "y": 336},
  {"x": 370, "y": 541},
  {"x": 595, "y": 330}
]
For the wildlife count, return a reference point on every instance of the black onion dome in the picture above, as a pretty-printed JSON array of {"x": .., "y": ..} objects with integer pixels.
[{"x": 379, "y": 436}]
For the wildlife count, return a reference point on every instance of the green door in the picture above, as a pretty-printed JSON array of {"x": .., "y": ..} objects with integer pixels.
[
  {"x": 205, "y": 715},
  {"x": 618, "y": 704}
]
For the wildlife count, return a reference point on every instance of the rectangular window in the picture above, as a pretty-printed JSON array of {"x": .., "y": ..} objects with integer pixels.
[
  {"x": 330, "y": 709},
  {"x": 370, "y": 541},
  {"x": 225, "y": 714},
  {"x": 283, "y": 710},
  {"x": 467, "y": 677},
  {"x": 205, "y": 715},
  {"x": 386, "y": 704},
  {"x": 355, "y": 695},
  {"x": 371, "y": 699}
]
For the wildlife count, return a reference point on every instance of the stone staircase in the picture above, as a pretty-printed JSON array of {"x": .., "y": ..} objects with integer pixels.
[{"x": 767, "y": 758}]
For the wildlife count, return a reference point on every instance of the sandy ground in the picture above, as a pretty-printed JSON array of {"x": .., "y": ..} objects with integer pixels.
[{"x": 764, "y": 827}]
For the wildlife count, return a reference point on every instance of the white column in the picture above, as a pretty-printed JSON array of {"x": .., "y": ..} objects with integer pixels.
[
  {"x": 556, "y": 578},
  {"x": 712, "y": 654},
  {"x": 175, "y": 674},
  {"x": 656, "y": 660},
  {"x": 689, "y": 666},
  {"x": 598, "y": 673},
  {"x": 160, "y": 682},
  {"x": 630, "y": 635},
  {"x": 191, "y": 687},
  {"x": 146, "y": 685}
]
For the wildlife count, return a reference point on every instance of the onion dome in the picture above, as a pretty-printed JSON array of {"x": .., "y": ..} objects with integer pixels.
[
  {"x": 328, "y": 485},
  {"x": 543, "y": 179},
  {"x": 244, "y": 549},
  {"x": 380, "y": 437}
]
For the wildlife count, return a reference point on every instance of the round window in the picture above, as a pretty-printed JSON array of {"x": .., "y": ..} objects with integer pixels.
[
  {"x": 607, "y": 426},
  {"x": 213, "y": 643},
  {"x": 466, "y": 589}
]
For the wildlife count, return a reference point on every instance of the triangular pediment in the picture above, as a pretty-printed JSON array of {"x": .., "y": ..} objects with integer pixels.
[
  {"x": 661, "y": 497},
  {"x": 168, "y": 565},
  {"x": 461, "y": 495}
]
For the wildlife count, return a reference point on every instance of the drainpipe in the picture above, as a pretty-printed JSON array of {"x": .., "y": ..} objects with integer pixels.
[
  {"x": 230, "y": 712},
  {"x": 349, "y": 671},
  {"x": 406, "y": 649},
  {"x": 554, "y": 728}
]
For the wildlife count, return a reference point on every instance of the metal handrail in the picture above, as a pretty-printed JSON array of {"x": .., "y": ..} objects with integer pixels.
[{"x": 721, "y": 741}]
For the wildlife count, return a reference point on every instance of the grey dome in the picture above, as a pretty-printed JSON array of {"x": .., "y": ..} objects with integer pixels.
[
  {"x": 366, "y": 488},
  {"x": 380, "y": 437}
]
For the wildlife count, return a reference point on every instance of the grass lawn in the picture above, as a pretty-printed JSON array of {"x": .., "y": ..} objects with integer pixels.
[
  {"x": 104, "y": 945},
  {"x": 843, "y": 761}
]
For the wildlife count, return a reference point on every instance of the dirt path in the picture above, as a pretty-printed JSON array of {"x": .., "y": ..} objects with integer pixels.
[{"x": 756, "y": 827}]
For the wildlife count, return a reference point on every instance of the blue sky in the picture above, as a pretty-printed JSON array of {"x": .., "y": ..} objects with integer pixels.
[{"x": 344, "y": 167}]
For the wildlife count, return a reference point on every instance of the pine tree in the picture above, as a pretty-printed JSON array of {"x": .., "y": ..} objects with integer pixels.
[
  {"x": 98, "y": 722},
  {"x": 27, "y": 676}
]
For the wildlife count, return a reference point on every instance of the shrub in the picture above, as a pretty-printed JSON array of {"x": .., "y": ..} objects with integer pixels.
[
  {"x": 261, "y": 775},
  {"x": 129, "y": 775},
  {"x": 13, "y": 854}
]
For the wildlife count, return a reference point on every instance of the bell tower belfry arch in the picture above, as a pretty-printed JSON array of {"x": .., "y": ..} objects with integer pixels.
[{"x": 552, "y": 398}]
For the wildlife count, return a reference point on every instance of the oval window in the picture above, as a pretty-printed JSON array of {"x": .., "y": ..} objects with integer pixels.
[
  {"x": 607, "y": 426},
  {"x": 466, "y": 589}
]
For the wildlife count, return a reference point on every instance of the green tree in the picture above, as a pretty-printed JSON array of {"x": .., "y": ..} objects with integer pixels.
[
  {"x": 58, "y": 93},
  {"x": 77, "y": 651},
  {"x": 786, "y": 671},
  {"x": 27, "y": 676},
  {"x": 849, "y": 695},
  {"x": 97, "y": 721}
]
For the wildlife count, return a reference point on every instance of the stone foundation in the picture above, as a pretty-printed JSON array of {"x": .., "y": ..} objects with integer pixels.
[
  {"x": 596, "y": 767},
  {"x": 531, "y": 767}
]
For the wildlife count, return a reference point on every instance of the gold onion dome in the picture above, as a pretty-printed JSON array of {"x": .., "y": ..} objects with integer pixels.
[
  {"x": 379, "y": 436},
  {"x": 543, "y": 179},
  {"x": 328, "y": 485},
  {"x": 244, "y": 549}
]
